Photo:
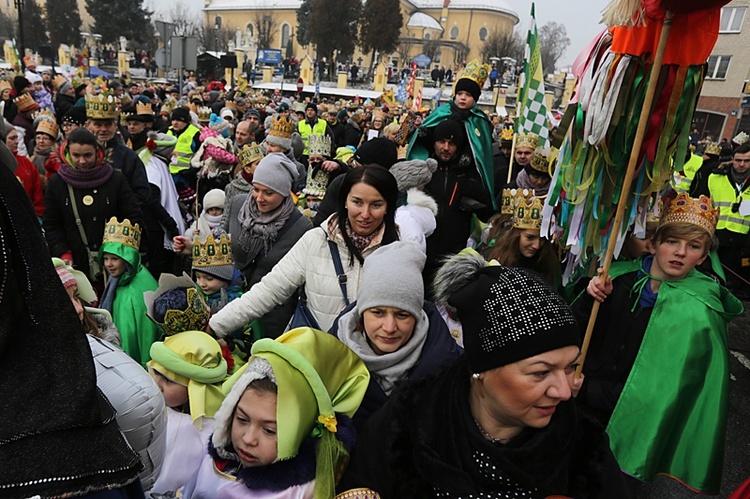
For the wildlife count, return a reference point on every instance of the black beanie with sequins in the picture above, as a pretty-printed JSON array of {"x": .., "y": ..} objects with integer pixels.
[{"x": 510, "y": 314}]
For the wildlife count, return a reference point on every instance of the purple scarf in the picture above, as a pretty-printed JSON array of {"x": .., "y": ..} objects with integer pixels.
[{"x": 85, "y": 179}]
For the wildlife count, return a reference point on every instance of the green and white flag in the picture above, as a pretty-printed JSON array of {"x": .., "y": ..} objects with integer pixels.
[{"x": 532, "y": 107}]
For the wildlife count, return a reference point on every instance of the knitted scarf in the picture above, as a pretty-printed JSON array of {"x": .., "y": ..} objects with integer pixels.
[
  {"x": 259, "y": 230},
  {"x": 40, "y": 157},
  {"x": 84, "y": 179},
  {"x": 389, "y": 368},
  {"x": 359, "y": 242}
]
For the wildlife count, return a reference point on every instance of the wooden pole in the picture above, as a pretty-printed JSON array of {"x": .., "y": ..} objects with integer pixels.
[
  {"x": 510, "y": 161},
  {"x": 629, "y": 174}
]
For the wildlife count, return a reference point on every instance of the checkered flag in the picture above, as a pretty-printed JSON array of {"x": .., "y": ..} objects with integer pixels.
[
  {"x": 532, "y": 116},
  {"x": 401, "y": 94}
]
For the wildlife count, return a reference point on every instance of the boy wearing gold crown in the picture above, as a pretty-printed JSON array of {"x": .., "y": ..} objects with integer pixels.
[
  {"x": 215, "y": 273},
  {"x": 126, "y": 282},
  {"x": 657, "y": 370},
  {"x": 477, "y": 127}
]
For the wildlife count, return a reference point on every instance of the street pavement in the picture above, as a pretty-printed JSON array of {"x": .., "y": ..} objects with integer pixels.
[{"x": 737, "y": 454}]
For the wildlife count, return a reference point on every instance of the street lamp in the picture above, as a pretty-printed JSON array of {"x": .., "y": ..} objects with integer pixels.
[
  {"x": 21, "y": 46},
  {"x": 216, "y": 37}
]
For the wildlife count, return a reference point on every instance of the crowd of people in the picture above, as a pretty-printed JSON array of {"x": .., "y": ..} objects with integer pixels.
[{"x": 296, "y": 298}]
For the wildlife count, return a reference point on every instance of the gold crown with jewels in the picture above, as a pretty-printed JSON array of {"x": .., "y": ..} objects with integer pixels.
[
  {"x": 282, "y": 128},
  {"x": 249, "y": 153},
  {"x": 25, "y": 102},
  {"x": 527, "y": 139},
  {"x": 101, "y": 107},
  {"x": 527, "y": 210},
  {"x": 697, "y": 211},
  {"x": 211, "y": 253},
  {"x": 319, "y": 145},
  {"x": 124, "y": 233},
  {"x": 477, "y": 72}
]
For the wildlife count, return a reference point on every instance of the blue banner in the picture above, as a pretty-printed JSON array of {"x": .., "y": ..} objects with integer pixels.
[{"x": 268, "y": 56}]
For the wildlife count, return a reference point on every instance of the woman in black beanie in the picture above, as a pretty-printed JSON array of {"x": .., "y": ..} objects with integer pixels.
[{"x": 499, "y": 422}]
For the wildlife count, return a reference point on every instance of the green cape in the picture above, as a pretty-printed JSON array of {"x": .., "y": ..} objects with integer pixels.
[
  {"x": 479, "y": 133},
  {"x": 129, "y": 308},
  {"x": 671, "y": 415}
]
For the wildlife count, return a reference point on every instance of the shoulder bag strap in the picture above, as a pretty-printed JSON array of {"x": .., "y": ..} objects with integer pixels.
[
  {"x": 339, "y": 269},
  {"x": 78, "y": 218}
]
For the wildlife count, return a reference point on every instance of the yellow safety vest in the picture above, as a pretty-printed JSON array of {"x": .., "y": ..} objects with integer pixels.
[
  {"x": 724, "y": 196},
  {"x": 692, "y": 166},
  {"x": 183, "y": 149},
  {"x": 305, "y": 131}
]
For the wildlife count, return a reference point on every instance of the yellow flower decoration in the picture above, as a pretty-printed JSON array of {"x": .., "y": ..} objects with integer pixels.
[{"x": 329, "y": 422}]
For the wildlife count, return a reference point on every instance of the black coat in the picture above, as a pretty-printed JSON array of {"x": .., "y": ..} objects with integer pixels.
[
  {"x": 352, "y": 135},
  {"x": 114, "y": 198},
  {"x": 63, "y": 104},
  {"x": 337, "y": 131}
]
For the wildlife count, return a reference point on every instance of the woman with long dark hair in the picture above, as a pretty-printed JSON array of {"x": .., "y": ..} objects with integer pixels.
[{"x": 363, "y": 222}]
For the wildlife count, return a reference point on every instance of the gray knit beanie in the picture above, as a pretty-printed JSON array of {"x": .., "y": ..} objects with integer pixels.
[
  {"x": 392, "y": 277},
  {"x": 277, "y": 172}
]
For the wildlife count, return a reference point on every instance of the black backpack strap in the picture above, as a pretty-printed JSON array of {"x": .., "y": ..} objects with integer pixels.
[{"x": 339, "y": 269}]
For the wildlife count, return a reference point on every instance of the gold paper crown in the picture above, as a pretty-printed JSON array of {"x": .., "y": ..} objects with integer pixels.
[
  {"x": 25, "y": 102},
  {"x": 204, "y": 113},
  {"x": 508, "y": 201},
  {"x": 476, "y": 72},
  {"x": 713, "y": 148},
  {"x": 124, "y": 233},
  {"x": 684, "y": 209},
  {"x": 527, "y": 210},
  {"x": 527, "y": 140},
  {"x": 142, "y": 108},
  {"x": 507, "y": 134},
  {"x": 378, "y": 113},
  {"x": 5, "y": 85},
  {"x": 319, "y": 144},
  {"x": 212, "y": 253},
  {"x": 48, "y": 126},
  {"x": 539, "y": 161},
  {"x": 282, "y": 128},
  {"x": 249, "y": 153},
  {"x": 58, "y": 81},
  {"x": 101, "y": 107},
  {"x": 231, "y": 105},
  {"x": 193, "y": 318}
]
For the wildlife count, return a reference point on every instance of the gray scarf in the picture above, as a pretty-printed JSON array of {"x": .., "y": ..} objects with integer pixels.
[
  {"x": 390, "y": 368},
  {"x": 259, "y": 230},
  {"x": 523, "y": 182}
]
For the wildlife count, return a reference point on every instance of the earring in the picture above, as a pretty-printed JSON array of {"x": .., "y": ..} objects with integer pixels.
[{"x": 475, "y": 376}]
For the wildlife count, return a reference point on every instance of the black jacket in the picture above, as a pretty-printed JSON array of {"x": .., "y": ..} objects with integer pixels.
[
  {"x": 352, "y": 135},
  {"x": 337, "y": 131},
  {"x": 63, "y": 104},
  {"x": 114, "y": 198}
]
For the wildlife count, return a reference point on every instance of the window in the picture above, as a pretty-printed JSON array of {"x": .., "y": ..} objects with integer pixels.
[
  {"x": 284, "y": 36},
  {"x": 426, "y": 36},
  {"x": 249, "y": 30},
  {"x": 483, "y": 34},
  {"x": 217, "y": 22},
  {"x": 731, "y": 19},
  {"x": 717, "y": 67},
  {"x": 454, "y": 32}
]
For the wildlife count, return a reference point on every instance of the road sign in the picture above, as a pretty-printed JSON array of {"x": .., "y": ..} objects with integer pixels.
[
  {"x": 184, "y": 52},
  {"x": 300, "y": 85},
  {"x": 161, "y": 58}
]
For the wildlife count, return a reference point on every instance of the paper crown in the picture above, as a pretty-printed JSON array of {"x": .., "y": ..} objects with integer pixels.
[
  {"x": 48, "y": 126},
  {"x": 204, "y": 113},
  {"x": 5, "y": 85},
  {"x": 101, "y": 107},
  {"x": 508, "y": 200},
  {"x": 231, "y": 105},
  {"x": 527, "y": 139},
  {"x": 282, "y": 128},
  {"x": 740, "y": 139},
  {"x": 319, "y": 144},
  {"x": 713, "y": 148},
  {"x": 124, "y": 233},
  {"x": 212, "y": 253},
  {"x": 527, "y": 210},
  {"x": 378, "y": 113},
  {"x": 144, "y": 109},
  {"x": 539, "y": 161},
  {"x": 476, "y": 72},
  {"x": 58, "y": 81},
  {"x": 506, "y": 135},
  {"x": 684, "y": 209},
  {"x": 195, "y": 315},
  {"x": 249, "y": 153},
  {"x": 25, "y": 102}
]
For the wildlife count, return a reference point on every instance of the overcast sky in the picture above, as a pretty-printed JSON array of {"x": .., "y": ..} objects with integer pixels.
[{"x": 580, "y": 17}]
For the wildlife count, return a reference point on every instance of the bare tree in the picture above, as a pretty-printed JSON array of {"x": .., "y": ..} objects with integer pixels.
[
  {"x": 460, "y": 52},
  {"x": 553, "y": 42},
  {"x": 431, "y": 48},
  {"x": 403, "y": 49},
  {"x": 503, "y": 44},
  {"x": 185, "y": 23},
  {"x": 267, "y": 27}
]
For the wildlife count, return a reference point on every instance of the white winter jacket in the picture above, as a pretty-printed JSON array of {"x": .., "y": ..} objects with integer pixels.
[{"x": 308, "y": 263}]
